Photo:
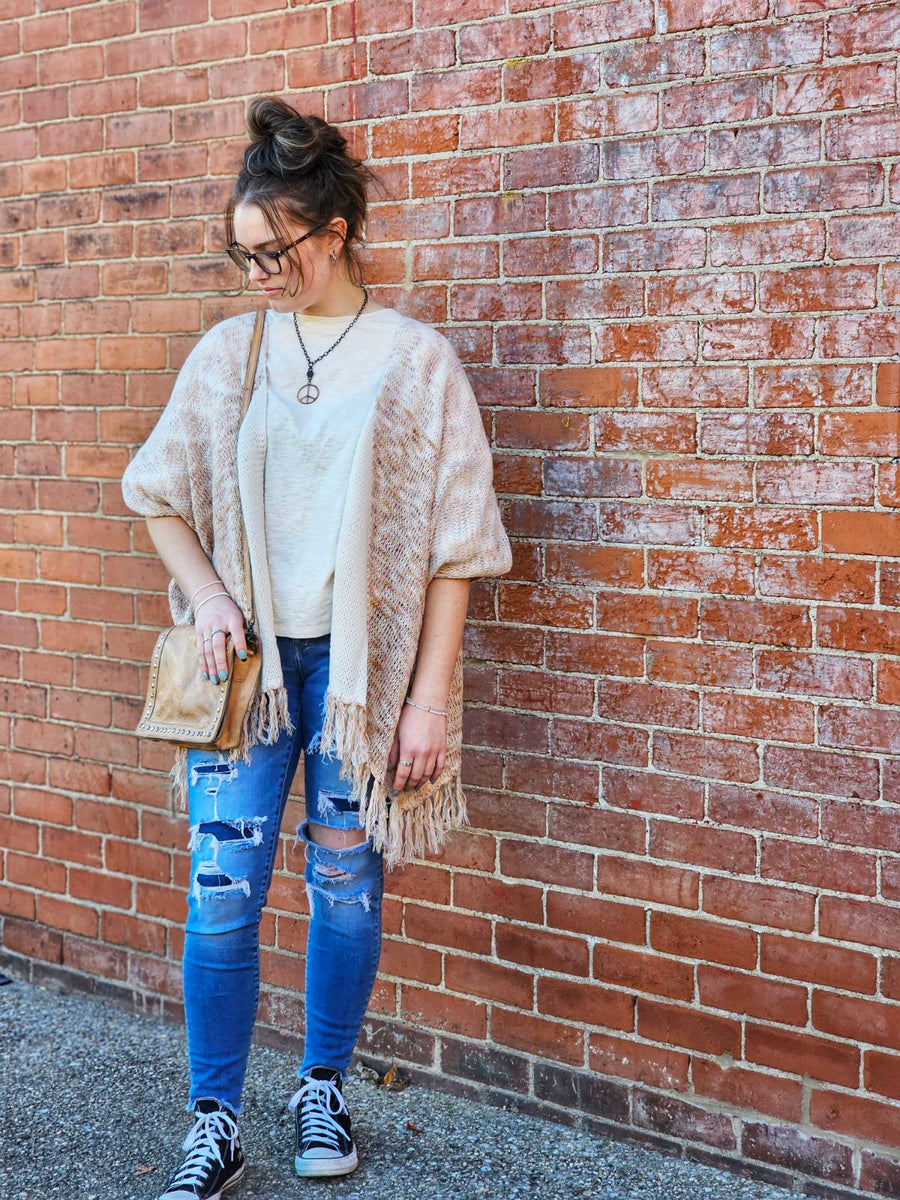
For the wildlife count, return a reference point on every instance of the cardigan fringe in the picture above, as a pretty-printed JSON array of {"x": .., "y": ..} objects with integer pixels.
[{"x": 400, "y": 831}]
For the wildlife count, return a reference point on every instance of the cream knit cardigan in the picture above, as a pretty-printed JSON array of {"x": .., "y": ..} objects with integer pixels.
[{"x": 420, "y": 502}]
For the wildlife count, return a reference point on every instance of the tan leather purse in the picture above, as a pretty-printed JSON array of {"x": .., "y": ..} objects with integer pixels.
[{"x": 182, "y": 707}]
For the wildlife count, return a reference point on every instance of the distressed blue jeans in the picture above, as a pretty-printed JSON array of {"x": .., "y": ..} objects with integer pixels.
[{"x": 235, "y": 815}]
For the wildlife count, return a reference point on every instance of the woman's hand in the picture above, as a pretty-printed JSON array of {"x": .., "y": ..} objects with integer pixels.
[
  {"x": 421, "y": 738},
  {"x": 222, "y": 614}
]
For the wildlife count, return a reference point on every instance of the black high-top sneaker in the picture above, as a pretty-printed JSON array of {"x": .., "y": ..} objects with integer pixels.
[
  {"x": 323, "y": 1143},
  {"x": 215, "y": 1160}
]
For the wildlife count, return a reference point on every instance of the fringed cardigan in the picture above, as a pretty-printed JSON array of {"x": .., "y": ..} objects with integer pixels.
[{"x": 420, "y": 503}]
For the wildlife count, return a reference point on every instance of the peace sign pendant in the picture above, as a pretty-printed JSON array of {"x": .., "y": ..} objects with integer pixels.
[{"x": 309, "y": 391}]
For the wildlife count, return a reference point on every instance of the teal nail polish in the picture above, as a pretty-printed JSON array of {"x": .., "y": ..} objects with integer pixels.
[
  {"x": 242, "y": 655},
  {"x": 223, "y": 675},
  {"x": 205, "y": 676}
]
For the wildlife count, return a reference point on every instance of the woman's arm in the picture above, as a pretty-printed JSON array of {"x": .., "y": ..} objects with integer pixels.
[
  {"x": 422, "y": 736},
  {"x": 179, "y": 548}
]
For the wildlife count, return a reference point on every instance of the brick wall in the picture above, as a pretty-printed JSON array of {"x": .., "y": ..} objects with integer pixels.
[{"x": 662, "y": 235}]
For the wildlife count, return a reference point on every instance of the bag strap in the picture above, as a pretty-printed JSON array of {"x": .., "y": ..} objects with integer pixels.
[{"x": 245, "y": 402}]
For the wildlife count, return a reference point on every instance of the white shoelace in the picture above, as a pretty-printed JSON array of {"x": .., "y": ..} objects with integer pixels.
[
  {"x": 203, "y": 1146},
  {"x": 320, "y": 1098}
]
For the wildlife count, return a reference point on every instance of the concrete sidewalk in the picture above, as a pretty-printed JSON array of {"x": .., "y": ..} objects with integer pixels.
[{"x": 93, "y": 1109}]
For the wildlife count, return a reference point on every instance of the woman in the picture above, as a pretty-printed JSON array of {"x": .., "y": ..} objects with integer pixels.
[{"x": 364, "y": 479}]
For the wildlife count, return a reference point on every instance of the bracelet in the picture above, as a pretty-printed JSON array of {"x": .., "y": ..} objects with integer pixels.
[
  {"x": 207, "y": 600},
  {"x": 200, "y": 589},
  {"x": 427, "y": 707}
]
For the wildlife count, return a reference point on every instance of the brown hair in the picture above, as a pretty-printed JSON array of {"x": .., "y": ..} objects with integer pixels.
[{"x": 298, "y": 167}]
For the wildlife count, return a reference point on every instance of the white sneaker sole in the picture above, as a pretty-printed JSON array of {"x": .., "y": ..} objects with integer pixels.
[
  {"x": 308, "y": 1168},
  {"x": 224, "y": 1188}
]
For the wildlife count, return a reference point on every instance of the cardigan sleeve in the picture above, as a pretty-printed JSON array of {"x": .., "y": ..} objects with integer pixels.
[
  {"x": 157, "y": 481},
  {"x": 469, "y": 540}
]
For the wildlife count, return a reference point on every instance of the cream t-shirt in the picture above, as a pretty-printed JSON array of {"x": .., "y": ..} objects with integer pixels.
[{"x": 310, "y": 449}]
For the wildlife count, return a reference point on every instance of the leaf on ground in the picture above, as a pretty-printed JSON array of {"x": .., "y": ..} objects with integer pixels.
[
  {"x": 394, "y": 1080},
  {"x": 414, "y": 1128},
  {"x": 143, "y": 1169}
]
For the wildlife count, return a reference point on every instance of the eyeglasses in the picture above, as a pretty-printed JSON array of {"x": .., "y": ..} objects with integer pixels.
[{"x": 268, "y": 261}]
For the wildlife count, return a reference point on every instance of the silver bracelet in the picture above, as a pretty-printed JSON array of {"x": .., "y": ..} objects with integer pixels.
[
  {"x": 427, "y": 707},
  {"x": 207, "y": 600},
  {"x": 211, "y": 583}
]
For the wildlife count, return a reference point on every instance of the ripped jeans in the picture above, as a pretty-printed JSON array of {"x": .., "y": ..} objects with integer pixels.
[{"x": 235, "y": 818}]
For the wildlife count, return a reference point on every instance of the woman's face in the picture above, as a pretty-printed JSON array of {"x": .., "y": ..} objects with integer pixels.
[{"x": 252, "y": 232}]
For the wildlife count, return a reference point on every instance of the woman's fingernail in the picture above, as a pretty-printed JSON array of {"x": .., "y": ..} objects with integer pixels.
[
  {"x": 242, "y": 655},
  {"x": 223, "y": 675},
  {"x": 205, "y": 676}
]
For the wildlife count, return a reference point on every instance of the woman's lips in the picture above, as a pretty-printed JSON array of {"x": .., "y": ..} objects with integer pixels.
[{"x": 273, "y": 291}]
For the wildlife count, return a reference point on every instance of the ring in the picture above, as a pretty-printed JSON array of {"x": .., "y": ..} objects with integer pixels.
[
  {"x": 215, "y": 631},
  {"x": 406, "y": 762},
  {"x": 205, "y": 640}
]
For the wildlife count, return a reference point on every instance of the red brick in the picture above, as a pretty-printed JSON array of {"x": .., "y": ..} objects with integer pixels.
[
  {"x": 746, "y": 1089},
  {"x": 24, "y": 937},
  {"x": 439, "y": 1010},
  {"x": 602, "y": 827},
  {"x": 473, "y": 977},
  {"x": 761, "y": 809},
  {"x": 584, "y": 1002},
  {"x": 137, "y": 934},
  {"x": 686, "y": 1027},
  {"x": 817, "y": 962},
  {"x": 541, "y": 949},
  {"x": 881, "y": 1074},
  {"x": 516, "y": 902},
  {"x": 758, "y": 903},
  {"x": 523, "y": 860},
  {"x": 855, "y": 1116},
  {"x": 644, "y": 880},
  {"x": 847, "y": 1016},
  {"x": 814, "y": 674},
  {"x": 657, "y": 1066},
  {"x": 759, "y": 621},
  {"x": 61, "y": 914},
  {"x": 758, "y": 716},
  {"x": 100, "y": 888},
  {"x": 642, "y": 791},
  {"x": 700, "y": 571},
  {"x": 805, "y": 770},
  {"x": 597, "y": 918},
  {"x": 799, "y": 1054},
  {"x": 755, "y": 995},
  {"x": 643, "y": 972},
  {"x": 713, "y": 666},
  {"x": 823, "y": 867},
  {"x": 795, "y": 1150},
  {"x": 709, "y": 941},
  {"x": 552, "y": 777},
  {"x": 535, "y": 1035},
  {"x": 438, "y": 927},
  {"x": 860, "y": 729},
  {"x": 702, "y": 845}
]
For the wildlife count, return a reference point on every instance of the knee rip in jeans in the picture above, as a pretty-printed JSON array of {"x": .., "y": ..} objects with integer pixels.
[
  {"x": 329, "y": 875},
  {"x": 210, "y": 879}
]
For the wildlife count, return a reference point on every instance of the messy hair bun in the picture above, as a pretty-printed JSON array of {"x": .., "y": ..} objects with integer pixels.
[
  {"x": 297, "y": 168},
  {"x": 284, "y": 143}
]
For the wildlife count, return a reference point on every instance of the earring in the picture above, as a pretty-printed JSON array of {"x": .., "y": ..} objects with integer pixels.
[{"x": 333, "y": 259}]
